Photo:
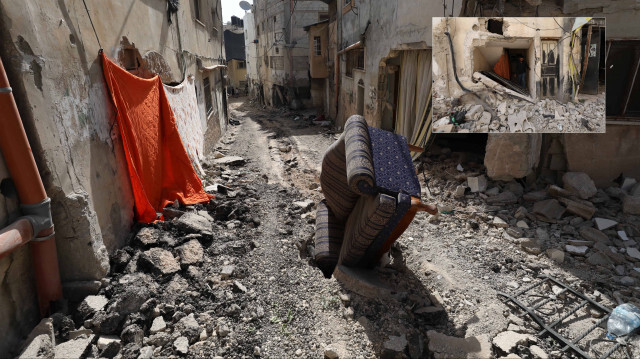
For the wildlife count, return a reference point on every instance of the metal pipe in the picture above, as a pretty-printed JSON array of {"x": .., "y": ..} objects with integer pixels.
[{"x": 22, "y": 168}]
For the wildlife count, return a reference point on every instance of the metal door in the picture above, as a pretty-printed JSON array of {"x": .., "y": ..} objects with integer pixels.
[{"x": 550, "y": 68}]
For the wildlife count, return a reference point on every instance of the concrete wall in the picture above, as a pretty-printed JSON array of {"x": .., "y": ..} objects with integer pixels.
[
  {"x": 469, "y": 34},
  {"x": 394, "y": 26},
  {"x": 51, "y": 55},
  {"x": 319, "y": 63},
  {"x": 236, "y": 73},
  {"x": 251, "y": 52},
  {"x": 286, "y": 41}
]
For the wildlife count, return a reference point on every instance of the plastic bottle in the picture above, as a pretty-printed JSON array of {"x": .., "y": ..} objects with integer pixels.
[{"x": 624, "y": 319}]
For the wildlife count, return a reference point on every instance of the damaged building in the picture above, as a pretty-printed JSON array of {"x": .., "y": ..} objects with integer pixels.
[
  {"x": 234, "y": 47},
  {"x": 50, "y": 52},
  {"x": 282, "y": 49},
  {"x": 529, "y": 74}
]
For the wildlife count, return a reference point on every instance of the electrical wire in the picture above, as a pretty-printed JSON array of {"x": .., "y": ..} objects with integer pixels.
[
  {"x": 91, "y": 21},
  {"x": 535, "y": 28}
]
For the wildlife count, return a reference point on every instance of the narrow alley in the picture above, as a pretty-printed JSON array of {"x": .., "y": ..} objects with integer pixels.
[{"x": 235, "y": 278}]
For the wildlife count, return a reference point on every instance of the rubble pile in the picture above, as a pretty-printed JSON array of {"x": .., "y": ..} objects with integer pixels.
[
  {"x": 508, "y": 114},
  {"x": 510, "y": 232}
]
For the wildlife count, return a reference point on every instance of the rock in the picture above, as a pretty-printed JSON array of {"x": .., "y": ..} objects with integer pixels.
[
  {"x": 594, "y": 235},
  {"x": 492, "y": 191},
  {"x": 304, "y": 205},
  {"x": 475, "y": 109},
  {"x": 633, "y": 253},
  {"x": 395, "y": 344},
  {"x": 549, "y": 210},
  {"x": 577, "y": 250},
  {"x": 226, "y": 272},
  {"x": 132, "y": 334},
  {"x": 443, "y": 346},
  {"x": 158, "y": 325},
  {"x": 477, "y": 184},
  {"x": 146, "y": 353},
  {"x": 80, "y": 332},
  {"x": 583, "y": 210},
  {"x": 623, "y": 235},
  {"x": 635, "y": 190},
  {"x": 223, "y": 331},
  {"x": 192, "y": 222},
  {"x": 111, "y": 350},
  {"x": 628, "y": 281},
  {"x": 515, "y": 232},
  {"x": 148, "y": 236},
  {"x": 229, "y": 160},
  {"x": 132, "y": 297},
  {"x": 598, "y": 259},
  {"x": 521, "y": 212},
  {"x": 485, "y": 119},
  {"x": 603, "y": 223},
  {"x": 90, "y": 305},
  {"x": 160, "y": 260},
  {"x": 181, "y": 344},
  {"x": 459, "y": 193},
  {"x": 579, "y": 183},
  {"x": 330, "y": 353},
  {"x": 239, "y": 287},
  {"x": 74, "y": 349},
  {"x": 522, "y": 224},
  {"x": 502, "y": 107},
  {"x": 188, "y": 327},
  {"x": 107, "y": 323},
  {"x": 503, "y": 199},
  {"x": 104, "y": 340},
  {"x": 190, "y": 252},
  {"x": 41, "y": 341},
  {"x": 499, "y": 223},
  {"x": 531, "y": 246},
  {"x": 506, "y": 342},
  {"x": 577, "y": 242},
  {"x": 556, "y": 255},
  {"x": 628, "y": 184},
  {"x": 631, "y": 205}
]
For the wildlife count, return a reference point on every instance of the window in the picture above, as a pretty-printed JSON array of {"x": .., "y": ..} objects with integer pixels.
[
  {"x": 241, "y": 65},
  {"x": 355, "y": 60},
  {"x": 274, "y": 19},
  {"x": 196, "y": 9},
  {"x": 207, "y": 95},
  {"x": 317, "y": 45},
  {"x": 277, "y": 50}
]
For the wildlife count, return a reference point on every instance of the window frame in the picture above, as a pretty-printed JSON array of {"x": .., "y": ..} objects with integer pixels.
[{"x": 317, "y": 45}]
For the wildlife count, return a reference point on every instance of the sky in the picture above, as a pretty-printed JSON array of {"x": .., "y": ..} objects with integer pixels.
[{"x": 231, "y": 7}]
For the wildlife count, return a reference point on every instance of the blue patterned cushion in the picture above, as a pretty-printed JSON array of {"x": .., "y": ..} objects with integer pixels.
[{"x": 394, "y": 171}]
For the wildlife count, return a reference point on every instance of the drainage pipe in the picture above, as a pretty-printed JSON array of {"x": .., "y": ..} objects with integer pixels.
[
  {"x": 35, "y": 205},
  {"x": 453, "y": 61}
]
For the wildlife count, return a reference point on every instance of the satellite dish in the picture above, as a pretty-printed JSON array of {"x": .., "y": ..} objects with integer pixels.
[{"x": 244, "y": 5}]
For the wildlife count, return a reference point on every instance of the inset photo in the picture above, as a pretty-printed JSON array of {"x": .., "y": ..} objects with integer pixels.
[{"x": 519, "y": 75}]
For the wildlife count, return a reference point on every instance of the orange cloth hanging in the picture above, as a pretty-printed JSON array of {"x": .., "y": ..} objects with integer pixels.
[
  {"x": 159, "y": 167},
  {"x": 502, "y": 67}
]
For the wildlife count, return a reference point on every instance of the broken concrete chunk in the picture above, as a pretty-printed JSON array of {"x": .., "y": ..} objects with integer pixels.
[
  {"x": 41, "y": 341},
  {"x": 628, "y": 184},
  {"x": 549, "y": 209},
  {"x": 477, "y": 184},
  {"x": 443, "y": 346},
  {"x": 475, "y": 109},
  {"x": 229, "y": 160},
  {"x": 160, "y": 260},
  {"x": 192, "y": 222},
  {"x": 395, "y": 344},
  {"x": 633, "y": 253},
  {"x": 535, "y": 196},
  {"x": 577, "y": 250},
  {"x": 190, "y": 252},
  {"x": 583, "y": 210},
  {"x": 188, "y": 326},
  {"x": 181, "y": 344},
  {"x": 506, "y": 342},
  {"x": 623, "y": 235},
  {"x": 631, "y": 205},
  {"x": 579, "y": 183},
  {"x": 459, "y": 193},
  {"x": 499, "y": 222},
  {"x": 91, "y": 305},
  {"x": 502, "y": 107},
  {"x": 531, "y": 246},
  {"x": 158, "y": 325},
  {"x": 603, "y": 223},
  {"x": 556, "y": 255},
  {"x": 74, "y": 349},
  {"x": 503, "y": 199},
  {"x": 594, "y": 235}
]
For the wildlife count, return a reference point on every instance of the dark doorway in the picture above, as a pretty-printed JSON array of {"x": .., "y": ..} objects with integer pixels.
[{"x": 550, "y": 68}]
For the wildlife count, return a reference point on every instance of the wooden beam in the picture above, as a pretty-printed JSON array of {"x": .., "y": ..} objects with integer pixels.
[{"x": 586, "y": 55}]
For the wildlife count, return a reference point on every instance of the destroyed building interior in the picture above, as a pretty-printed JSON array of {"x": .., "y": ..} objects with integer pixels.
[{"x": 320, "y": 179}]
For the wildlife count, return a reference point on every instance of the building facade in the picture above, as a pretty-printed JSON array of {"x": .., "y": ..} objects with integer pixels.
[
  {"x": 234, "y": 45},
  {"x": 51, "y": 55},
  {"x": 282, "y": 49}
]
